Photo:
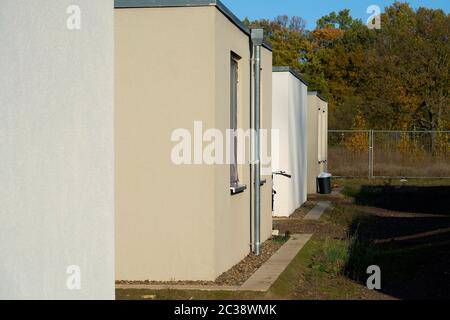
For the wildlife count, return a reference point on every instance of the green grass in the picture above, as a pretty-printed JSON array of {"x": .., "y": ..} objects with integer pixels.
[
  {"x": 356, "y": 183},
  {"x": 418, "y": 196},
  {"x": 143, "y": 294},
  {"x": 317, "y": 273},
  {"x": 281, "y": 239},
  {"x": 300, "y": 280},
  {"x": 332, "y": 256},
  {"x": 286, "y": 284},
  {"x": 333, "y": 266},
  {"x": 343, "y": 215},
  {"x": 413, "y": 269},
  {"x": 352, "y": 187}
]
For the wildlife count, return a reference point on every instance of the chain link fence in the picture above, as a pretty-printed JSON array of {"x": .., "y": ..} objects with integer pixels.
[{"x": 389, "y": 154}]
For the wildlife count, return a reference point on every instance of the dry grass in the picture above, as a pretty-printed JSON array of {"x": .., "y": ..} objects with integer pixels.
[{"x": 389, "y": 163}]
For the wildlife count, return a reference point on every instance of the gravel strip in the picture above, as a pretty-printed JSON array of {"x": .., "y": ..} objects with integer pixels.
[
  {"x": 236, "y": 276},
  {"x": 243, "y": 270}
]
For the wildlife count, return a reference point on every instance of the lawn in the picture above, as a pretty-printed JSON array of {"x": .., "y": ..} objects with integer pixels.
[
  {"x": 402, "y": 227},
  {"x": 300, "y": 280}
]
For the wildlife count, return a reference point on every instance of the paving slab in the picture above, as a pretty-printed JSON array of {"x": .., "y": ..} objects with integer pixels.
[
  {"x": 269, "y": 272},
  {"x": 316, "y": 212}
]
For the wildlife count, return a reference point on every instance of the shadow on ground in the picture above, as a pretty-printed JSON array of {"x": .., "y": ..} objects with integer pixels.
[
  {"x": 410, "y": 243},
  {"x": 415, "y": 199}
]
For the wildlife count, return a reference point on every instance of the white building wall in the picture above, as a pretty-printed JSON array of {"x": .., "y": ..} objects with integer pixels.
[
  {"x": 289, "y": 116},
  {"x": 56, "y": 150},
  {"x": 302, "y": 140}
]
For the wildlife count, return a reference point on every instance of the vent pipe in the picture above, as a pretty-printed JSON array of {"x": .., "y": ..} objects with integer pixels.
[{"x": 257, "y": 36}]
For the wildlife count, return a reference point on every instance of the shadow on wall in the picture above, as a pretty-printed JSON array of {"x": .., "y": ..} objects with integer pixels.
[
  {"x": 412, "y": 250},
  {"x": 413, "y": 199}
]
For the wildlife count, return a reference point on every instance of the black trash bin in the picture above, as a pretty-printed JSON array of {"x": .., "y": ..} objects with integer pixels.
[{"x": 324, "y": 183}]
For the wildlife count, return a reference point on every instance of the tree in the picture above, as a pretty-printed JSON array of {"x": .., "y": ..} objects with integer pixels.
[
  {"x": 292, "y": 47},
  {"x": 341, "y": 20},
  {"x": 396, "y": 77},
  {"x": 341, "y": 54},
  {"x": 406, "y": 80},
  {"x": 358, "y": 142}
]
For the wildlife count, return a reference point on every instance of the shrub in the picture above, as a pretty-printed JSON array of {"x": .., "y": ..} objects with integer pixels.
[
  {"x": 361, "y": 255},
  {"x": 281, "y": 238},
  {"x": 332, "y": 256}
]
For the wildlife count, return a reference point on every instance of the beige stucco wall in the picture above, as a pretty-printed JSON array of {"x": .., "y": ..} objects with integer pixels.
[
  {"x": 325, "y": 138},
  {"x": 317, "y": 139},
  {"x": 164, "y": 225},
  {"x": 323, "y": 119},
  {"x": 231, "y": 212},
  {"x": 313, "y": 142},
  {"x": 172, "y": 68}
]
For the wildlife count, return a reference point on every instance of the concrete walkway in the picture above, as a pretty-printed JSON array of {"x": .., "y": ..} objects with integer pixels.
[
  {"x": 269, "y": 272},
  {"x": 316, "y": 212}
]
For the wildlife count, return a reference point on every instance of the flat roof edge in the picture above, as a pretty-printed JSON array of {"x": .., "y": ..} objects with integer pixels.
[
  {"x": 316, "y": 93},
  {"x": 321, "y": 97},
  {"x": 292, "y": 71},
  {"x": 161, "y": 3},
  {"x": 129, "y": 4}
]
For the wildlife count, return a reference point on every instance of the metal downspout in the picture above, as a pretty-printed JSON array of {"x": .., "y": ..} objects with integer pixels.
[{"x": 257, "y": 41}]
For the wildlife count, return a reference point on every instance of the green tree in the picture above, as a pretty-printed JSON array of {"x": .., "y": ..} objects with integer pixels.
[
  {"x": 396, "y": 77},
  {"x": 406, "y": 79},
  {"x": 292, "y": 47},
  {"x": 341, "y": 20}
]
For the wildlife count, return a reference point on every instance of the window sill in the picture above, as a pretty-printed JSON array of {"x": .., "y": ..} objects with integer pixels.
[{"x": 238, "y": 189}]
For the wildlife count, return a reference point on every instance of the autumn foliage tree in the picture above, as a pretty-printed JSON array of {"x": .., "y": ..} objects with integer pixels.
[
  {"x": 292, "y": 47},
  {"x": 396, "y": 77},
  {"x": 358, "y": 142}
]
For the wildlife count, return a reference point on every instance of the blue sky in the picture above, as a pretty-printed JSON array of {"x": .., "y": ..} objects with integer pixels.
[{"x": 312, "y": 10}]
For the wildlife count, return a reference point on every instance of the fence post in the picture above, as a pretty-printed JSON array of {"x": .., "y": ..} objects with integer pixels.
[{"x": 371, "y": 144}]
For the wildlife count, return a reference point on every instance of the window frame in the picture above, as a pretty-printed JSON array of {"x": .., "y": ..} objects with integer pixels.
[{"x": 235, "y": 185}]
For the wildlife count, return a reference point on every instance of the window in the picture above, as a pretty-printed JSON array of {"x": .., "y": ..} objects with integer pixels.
[
  {"x": 235, "y": 185},
  {"x": 234, "y": 80}
]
